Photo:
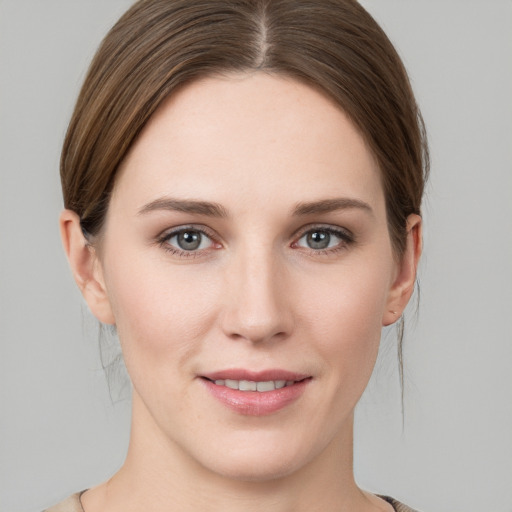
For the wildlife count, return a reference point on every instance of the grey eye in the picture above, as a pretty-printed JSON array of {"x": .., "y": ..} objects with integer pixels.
[
  {"x": 190, "y": 240},
  {"x": 319, "y": 239}
]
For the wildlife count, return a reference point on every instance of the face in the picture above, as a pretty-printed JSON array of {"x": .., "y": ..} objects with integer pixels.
[{"x": 248, "y": 267}]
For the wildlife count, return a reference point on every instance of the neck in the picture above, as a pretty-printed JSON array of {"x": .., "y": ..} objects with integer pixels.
[{"x": 159, "y": 476}]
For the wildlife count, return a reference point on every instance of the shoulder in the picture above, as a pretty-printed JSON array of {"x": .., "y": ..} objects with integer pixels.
[
  {"x": 71, "y": 504},
  {"x": 399, "y": 507}
]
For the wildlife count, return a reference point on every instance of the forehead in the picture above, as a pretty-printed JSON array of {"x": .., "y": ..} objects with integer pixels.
[{"x": 252, "y": 137}]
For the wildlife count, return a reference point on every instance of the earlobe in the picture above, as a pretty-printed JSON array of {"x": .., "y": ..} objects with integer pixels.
[
  {"x": 85, "y": 266},
  {"x": 403, "y": 284}
]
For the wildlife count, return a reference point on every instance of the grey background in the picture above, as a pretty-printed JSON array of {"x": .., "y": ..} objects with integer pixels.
[{"x": 59, "y": 431}]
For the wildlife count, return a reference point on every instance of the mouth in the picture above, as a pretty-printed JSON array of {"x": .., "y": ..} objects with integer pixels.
[
  {"x": 262, "y": 386},
  {"x": 256, "y": 393}
]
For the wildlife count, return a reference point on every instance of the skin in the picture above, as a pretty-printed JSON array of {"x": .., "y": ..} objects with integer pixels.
[{"x": 255, "y": 296}]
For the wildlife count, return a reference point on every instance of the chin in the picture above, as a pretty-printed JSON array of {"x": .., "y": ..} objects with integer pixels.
[
  {"x": 258, "y": 459},
  {"x": 255, "y": 470}
]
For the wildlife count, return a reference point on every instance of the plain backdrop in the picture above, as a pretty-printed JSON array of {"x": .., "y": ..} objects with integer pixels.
[{"x": 62, "y": 430}]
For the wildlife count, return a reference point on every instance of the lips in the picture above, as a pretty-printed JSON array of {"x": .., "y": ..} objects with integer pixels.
[
  {"x": 251, "y": 385},
  {"x": 256, "y": 393}
]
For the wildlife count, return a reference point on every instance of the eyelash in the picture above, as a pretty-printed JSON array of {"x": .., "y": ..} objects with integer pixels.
[
  {"x": 163, "y": 241},
  {"x": 345, "y": 236}
]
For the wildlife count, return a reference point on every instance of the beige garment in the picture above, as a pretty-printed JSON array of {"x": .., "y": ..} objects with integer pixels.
[{"x": 72, "y": 504}]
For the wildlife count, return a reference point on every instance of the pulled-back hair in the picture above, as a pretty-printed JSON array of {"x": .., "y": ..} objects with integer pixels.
[{"x": 159, "y": 45}]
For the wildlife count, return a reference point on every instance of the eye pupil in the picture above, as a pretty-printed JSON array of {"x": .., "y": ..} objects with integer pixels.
[
  {"x": 318, "y": 239},
  {"x": 189, "y": 240}
]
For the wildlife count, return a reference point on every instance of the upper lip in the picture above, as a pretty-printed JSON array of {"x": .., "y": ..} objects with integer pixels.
[{"x": 255, "y": 376}]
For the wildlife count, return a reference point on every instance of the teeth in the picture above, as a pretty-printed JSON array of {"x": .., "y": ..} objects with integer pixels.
[
  {"x": 266, "y": 386},
  {"x": 233, "y": 384},
  {"x": 249, "y": 385}
]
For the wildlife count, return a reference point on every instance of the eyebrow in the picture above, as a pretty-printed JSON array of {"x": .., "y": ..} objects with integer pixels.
[
  {"x": 186, "y": 206},
  {"x": 216, "y": 210},
  {"x": 331, "y": 205}
]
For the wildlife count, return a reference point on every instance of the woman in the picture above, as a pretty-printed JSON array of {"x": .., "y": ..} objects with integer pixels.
[{"x": 242, "y": 183}]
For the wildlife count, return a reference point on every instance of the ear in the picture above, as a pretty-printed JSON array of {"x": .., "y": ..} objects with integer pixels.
[
  {"x": 85, "y": 266},
  {"x": 403, "y": 284}
]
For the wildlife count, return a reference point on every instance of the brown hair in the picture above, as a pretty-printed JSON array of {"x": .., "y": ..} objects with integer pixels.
[{"x": 159, "y": 45}]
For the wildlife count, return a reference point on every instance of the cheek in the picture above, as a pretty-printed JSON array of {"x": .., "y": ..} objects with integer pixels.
[
  {"x": 162, "y": 312},
  {"x": 343, "y": 312}
]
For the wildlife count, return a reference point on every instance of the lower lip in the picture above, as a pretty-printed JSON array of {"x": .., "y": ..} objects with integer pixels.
[{"x": 255, "y": 403}]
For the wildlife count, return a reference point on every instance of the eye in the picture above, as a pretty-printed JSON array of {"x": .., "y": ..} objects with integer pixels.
[
  {"x": 321, "y": 239},
  {"x": 186, "y": 240}
]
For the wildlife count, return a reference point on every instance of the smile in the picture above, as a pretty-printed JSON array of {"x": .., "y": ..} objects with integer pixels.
[
  {"x": 256, "y": 393},
  {"x": 250, "y": 385}
]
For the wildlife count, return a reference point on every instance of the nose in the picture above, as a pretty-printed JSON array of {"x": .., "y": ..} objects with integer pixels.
[{"x": 258, "y": 306}]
